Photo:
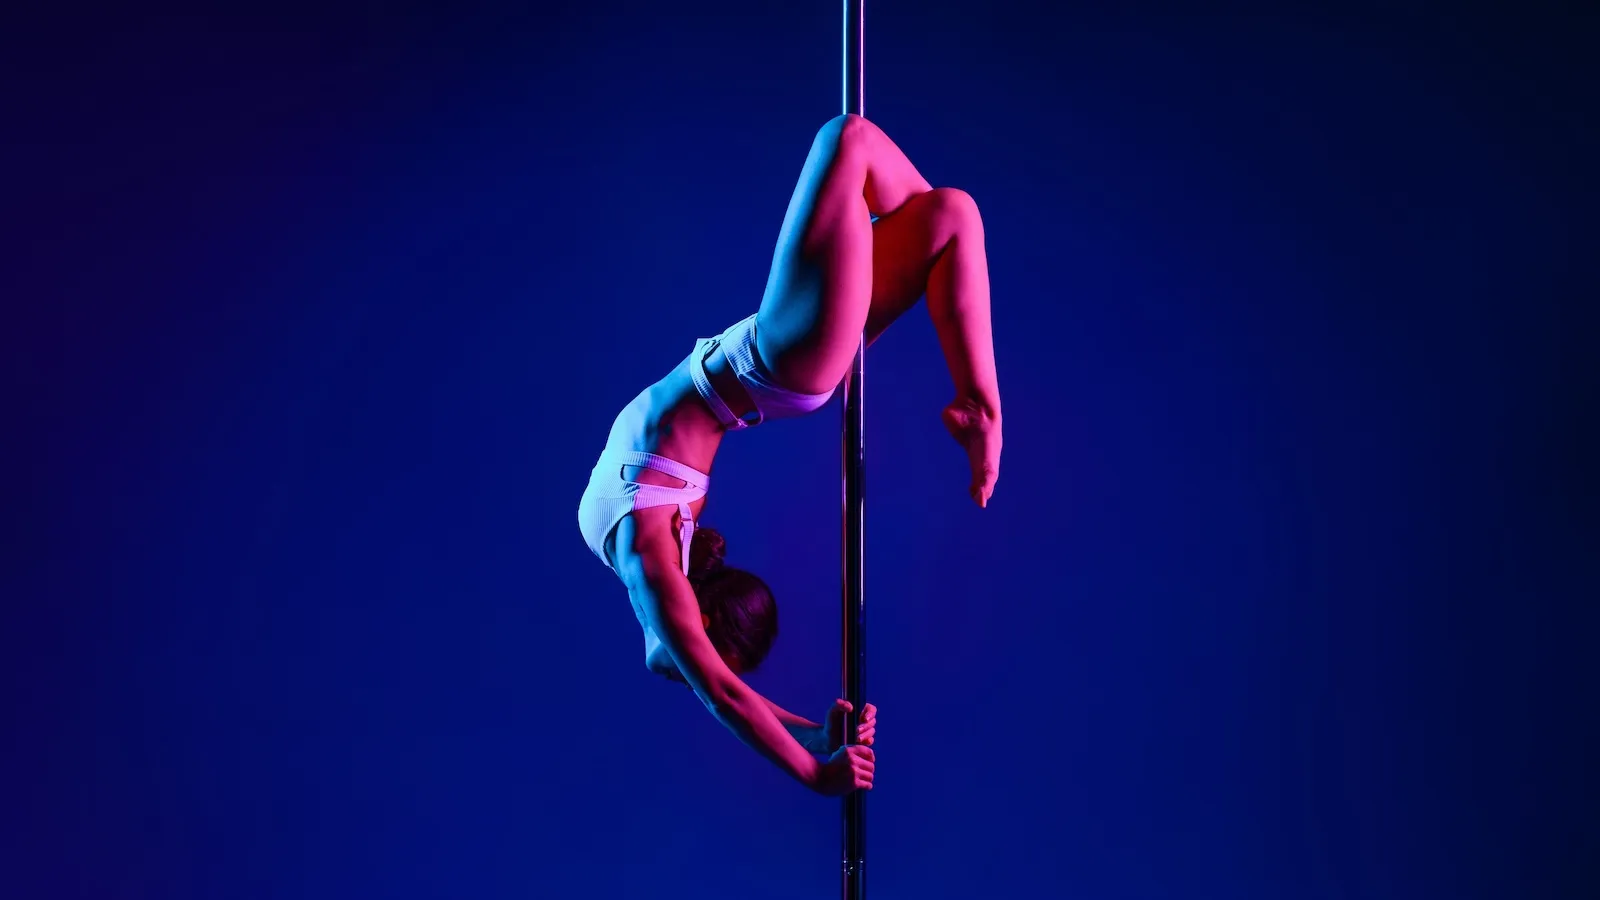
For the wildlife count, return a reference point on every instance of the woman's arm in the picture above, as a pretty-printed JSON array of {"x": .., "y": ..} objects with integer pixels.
[
  {"x": 650, "y": 569},
  {"x": 806, "y": 733}
]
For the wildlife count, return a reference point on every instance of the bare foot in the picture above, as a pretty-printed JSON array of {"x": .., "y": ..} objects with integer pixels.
[{"x": 978, "y": 430}]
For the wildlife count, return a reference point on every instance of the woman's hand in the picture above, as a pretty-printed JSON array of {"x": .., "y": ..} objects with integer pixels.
[
  {"x": 833, "y": 731},
  {"x": 848, "y": 769}
]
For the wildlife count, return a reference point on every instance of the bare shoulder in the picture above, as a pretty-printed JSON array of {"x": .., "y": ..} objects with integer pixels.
[{"x": 647, "y": 544}]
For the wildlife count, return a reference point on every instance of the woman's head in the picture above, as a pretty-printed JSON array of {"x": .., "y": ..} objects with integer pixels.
[{"x": 740, "y": 614}]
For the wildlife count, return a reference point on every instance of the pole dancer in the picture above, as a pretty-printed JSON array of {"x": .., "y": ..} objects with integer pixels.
[{"x": 838, "y": 279}]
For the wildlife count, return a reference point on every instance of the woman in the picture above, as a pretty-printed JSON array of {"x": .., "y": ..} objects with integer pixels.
[{"x": 864, "y": 237}]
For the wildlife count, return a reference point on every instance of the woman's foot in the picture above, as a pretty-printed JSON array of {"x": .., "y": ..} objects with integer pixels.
[{"x": 977, "y": 428}]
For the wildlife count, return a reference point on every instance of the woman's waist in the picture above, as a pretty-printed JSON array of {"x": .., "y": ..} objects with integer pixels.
[{"x": 667, "y": 420}]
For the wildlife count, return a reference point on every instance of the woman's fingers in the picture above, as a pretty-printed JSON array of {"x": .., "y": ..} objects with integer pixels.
[
  {"x": 866, "y": 729},
  {"x": 861, "y": 765}
]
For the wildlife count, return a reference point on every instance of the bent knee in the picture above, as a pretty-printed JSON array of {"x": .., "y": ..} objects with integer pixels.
[
  {"x": 956, "y": 207},
  {"x": 846, "y": 131}
]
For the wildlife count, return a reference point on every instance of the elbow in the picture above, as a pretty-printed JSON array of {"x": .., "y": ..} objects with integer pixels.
[
  {"x": 725, "y": 698},
  {"x": 718, "y": 707}
]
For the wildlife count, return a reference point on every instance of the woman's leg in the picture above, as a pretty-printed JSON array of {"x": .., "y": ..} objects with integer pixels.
[
  {"x": 836, "y": 274},
  {"x": 934, "y": 244},
  {"x": 820, "y": 286}
]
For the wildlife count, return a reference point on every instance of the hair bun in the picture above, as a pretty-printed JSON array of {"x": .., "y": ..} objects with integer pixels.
[{"x": 706, "y": 551}]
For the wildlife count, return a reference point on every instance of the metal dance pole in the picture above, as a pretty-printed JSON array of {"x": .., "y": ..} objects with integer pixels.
[{"x": 854, "y": 453}]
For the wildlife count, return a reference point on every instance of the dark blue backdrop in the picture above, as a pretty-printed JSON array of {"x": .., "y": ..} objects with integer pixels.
[{"x": 315, "y": 321}]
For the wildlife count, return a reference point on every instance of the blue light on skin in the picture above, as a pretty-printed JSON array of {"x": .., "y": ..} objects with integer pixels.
[{"x": 658, "y": 660}]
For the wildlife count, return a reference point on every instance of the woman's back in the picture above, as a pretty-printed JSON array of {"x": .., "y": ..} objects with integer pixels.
[{"x": 669, "y": 419}]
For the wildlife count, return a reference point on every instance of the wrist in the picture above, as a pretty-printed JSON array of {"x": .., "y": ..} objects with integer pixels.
[
  {"x": 812, "y": 737},
  {"x": 817, "y": 740},
  {"x": 811, "y": 773}
]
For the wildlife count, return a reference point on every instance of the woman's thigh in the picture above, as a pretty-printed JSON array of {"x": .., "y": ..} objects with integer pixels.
[{"x": 820, "y": 285}]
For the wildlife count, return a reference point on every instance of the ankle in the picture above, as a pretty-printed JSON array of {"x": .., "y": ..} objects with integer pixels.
[{"x": 986, "y": 408}]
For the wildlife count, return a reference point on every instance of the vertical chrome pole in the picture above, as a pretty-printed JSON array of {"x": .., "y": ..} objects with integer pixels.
[{"x": 854, "y": 619}]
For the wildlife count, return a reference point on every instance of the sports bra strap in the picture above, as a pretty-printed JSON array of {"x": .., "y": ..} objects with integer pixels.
[
  {"x": 702, "y": 386},
  {"x": 692, "y": 477}
]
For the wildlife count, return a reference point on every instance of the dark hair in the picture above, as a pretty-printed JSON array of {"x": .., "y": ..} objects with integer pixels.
[{"x": 743, "y": 613}]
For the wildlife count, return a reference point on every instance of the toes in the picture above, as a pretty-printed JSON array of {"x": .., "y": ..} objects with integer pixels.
[{"x": 981, "y": 491}]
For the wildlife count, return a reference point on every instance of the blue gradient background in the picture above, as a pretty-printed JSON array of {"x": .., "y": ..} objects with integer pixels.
[{"x": 316, "y": 319}]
